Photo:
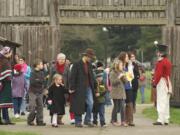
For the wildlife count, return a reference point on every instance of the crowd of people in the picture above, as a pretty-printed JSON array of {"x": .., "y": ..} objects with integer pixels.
[{"x": 87, "y": 85}]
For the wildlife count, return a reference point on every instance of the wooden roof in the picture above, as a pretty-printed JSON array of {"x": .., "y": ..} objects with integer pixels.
[{"x": 6, "y": 42}]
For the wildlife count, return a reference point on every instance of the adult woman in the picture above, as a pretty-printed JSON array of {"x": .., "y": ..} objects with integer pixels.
[
  {"x": 5, "y": 83},
  {"x": 128, "y": 87},
  {"x": 118, "y": 94},
  {"x": 62, "y": 68},
  {"x": 27, "y": 74}
]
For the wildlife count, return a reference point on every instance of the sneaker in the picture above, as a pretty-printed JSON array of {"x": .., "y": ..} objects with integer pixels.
[
  {"x": 41, "y": 124},
  {"x": 95, "y": 123},
  {"x": 89, "y": 124},
  {"x": 16, "y": 115},
  {"x": 79, "y": 125},
  {"x": 115, "y": 123},
  {"x": 31, "y": 123},
  {"x": 104, "y": 126},
  {"x": 55, "y": 126},
  {"x": 60, "y": 123},
  {"x": 23, "y": 113},
  {"x": 124, "y": 124}
]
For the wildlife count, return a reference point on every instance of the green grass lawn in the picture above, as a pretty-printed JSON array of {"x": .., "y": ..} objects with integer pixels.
[
  {"x": 174, "y": 114},
  {"x": 16, "y": 133}
]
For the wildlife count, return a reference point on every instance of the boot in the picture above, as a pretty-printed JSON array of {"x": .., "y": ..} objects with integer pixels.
[
  {"x": 129, "y": 114},
  {"x": 59, "y": 120}
]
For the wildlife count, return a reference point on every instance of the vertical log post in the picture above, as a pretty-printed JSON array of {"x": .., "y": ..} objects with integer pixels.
[
  {"x": 54, "y": 22},
  {"x": 171, "y": 36}
]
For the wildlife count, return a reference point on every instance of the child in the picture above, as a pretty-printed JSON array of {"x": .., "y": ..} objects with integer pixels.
[
  {"x": 36, "y": 95},
  {"x": 56, "y": 99},
  {"x": 99, "y": 105},
  {"x": 18, "y": 88},
  {"x": 118, "y": 93},
  {"x": 142, "y": 84}
]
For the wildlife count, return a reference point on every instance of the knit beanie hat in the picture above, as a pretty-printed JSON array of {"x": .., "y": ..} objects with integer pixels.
[
  {"x": 99, "y": 64},
  {"x": 5, "y": 50}
]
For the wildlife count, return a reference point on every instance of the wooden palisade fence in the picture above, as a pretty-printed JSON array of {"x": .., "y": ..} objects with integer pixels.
[{"x": 36, "y": 24}]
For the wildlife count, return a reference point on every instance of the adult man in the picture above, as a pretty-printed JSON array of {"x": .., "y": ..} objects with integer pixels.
[
  {"x": 82, "y": 86},
  {"x": 163, "y": 85}
]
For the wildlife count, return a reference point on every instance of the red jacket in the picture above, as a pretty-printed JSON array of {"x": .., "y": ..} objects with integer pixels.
[{"x": 163, "y": 69}]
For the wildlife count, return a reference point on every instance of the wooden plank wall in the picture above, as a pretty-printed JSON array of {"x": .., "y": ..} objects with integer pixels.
[
  {"x": 171, "y": 36},
  {"x": 15, "y": 8},
  {"x": 38, "y": 41},
  {"x": 112, "y": 2},
  {"x": 152, "y": 9},
  {"x": 178, "y": 8}
]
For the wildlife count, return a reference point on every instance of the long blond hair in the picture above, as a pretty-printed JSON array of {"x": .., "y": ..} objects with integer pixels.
[{"x": 116, "y": 64}]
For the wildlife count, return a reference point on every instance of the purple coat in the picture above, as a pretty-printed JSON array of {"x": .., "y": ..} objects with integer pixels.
[{"x": 18, "y": 85}]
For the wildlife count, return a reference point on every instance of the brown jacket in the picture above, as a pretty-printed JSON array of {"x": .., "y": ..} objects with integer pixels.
[{"x": 118, "y": 90}]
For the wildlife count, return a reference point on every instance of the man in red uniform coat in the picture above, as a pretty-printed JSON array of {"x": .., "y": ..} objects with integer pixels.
[{"x": 163, "y": 85}]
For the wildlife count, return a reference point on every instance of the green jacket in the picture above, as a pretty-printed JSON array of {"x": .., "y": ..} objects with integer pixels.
[{"x": 102, "y": 91}]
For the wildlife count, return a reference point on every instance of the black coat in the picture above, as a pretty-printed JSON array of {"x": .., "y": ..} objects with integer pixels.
[
  {"x": 78, "y": 84},
  {"x": 56, "y": 94},
  {"x": 135, "y": 83}
]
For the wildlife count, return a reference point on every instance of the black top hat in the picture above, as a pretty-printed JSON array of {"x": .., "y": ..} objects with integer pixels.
[{"x": 162, "y": 47}]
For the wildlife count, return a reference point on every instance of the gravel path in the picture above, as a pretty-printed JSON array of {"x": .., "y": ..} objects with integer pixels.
[{"x": 143, "y": 127}]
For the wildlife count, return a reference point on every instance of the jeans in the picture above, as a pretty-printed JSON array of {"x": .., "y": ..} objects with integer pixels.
[
  {"x": 142, "y": 88},
  {"x": 17, "y": 105},
  {"x": 89, "y": 103},
  {"x": 119, "y": 106},
  {"x": 78, "y": 119},
  {"x": 5, "y": 115},
  {"x": 101, "y": 112},
  {"x": 108, "y": 98},
  {"x": 24, "y": 100}
]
